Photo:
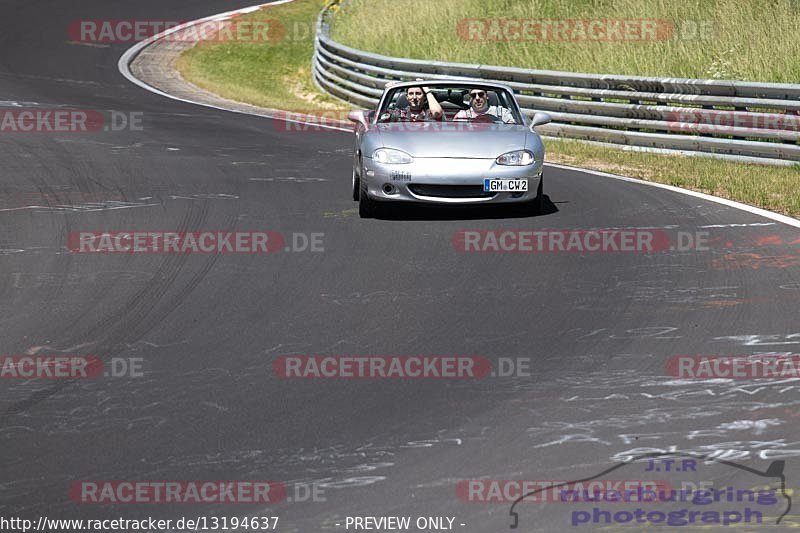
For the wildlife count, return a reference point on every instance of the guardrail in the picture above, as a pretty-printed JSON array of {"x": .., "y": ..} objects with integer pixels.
[{"x": 730, "y": 119}]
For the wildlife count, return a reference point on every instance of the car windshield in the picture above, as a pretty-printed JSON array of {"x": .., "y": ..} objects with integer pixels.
[{"x": 460, "y": 103}]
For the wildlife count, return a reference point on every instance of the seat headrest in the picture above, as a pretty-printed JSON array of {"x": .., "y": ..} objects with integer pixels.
[{"x": 401, "y": 101}]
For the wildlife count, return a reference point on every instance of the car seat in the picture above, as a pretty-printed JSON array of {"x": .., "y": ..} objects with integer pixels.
[{"x": 400, "y": 102}]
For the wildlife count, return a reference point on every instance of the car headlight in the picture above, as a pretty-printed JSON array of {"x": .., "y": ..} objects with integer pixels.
[
  {"x": 518, "y": 158},
  {"x": 388, "y": 156}
]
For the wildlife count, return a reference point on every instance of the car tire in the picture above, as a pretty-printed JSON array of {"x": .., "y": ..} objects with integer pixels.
[
  {"x": 539, "y": 201},
  {"x": 367, "y": 207},
  {"x": 356, "y": 186}
]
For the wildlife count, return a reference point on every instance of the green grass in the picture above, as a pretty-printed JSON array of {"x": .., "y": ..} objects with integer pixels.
[
  {"x": 754, "y": 40},
  {"x": 275, "y": 73},
  {"x": 278, "y": 75}
]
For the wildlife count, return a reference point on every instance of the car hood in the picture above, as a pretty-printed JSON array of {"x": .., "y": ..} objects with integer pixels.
[{"x": 451, "y": 139}]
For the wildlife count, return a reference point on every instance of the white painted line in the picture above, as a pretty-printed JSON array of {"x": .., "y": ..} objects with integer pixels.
[
  {"x": 730, "y": 203},
  {"x": 738, "y": 225}
]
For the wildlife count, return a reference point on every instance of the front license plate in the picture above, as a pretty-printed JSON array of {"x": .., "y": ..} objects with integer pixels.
[{"x": 498, "y": 185}]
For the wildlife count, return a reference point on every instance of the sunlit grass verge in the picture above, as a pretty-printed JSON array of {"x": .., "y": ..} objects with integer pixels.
[
  {"x": 768, "y": 187},
  {"x": 729, "y": 39},
  {"x": 274, "y": 73}
]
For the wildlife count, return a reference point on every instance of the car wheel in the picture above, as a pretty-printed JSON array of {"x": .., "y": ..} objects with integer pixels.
[
  {"x": 539, "y": 201},
  {"x": 356, "y": 186},
  {"x": 367, "y": 207}
]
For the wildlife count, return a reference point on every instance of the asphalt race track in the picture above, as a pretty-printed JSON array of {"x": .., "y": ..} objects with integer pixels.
[{"x": 596, "y": 328}]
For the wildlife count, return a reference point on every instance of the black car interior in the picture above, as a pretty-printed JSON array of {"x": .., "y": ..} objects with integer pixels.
[{"x": 451, "y": 100}]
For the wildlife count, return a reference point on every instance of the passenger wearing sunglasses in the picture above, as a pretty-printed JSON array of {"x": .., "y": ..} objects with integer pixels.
[{"x": 480, "y": 110}]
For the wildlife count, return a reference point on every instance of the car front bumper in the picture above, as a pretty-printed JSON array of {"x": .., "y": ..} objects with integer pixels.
[{"x": 446, "y": 181}]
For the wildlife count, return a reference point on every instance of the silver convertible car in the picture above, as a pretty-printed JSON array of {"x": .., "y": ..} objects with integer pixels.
[{"x": 462, "y": 143}]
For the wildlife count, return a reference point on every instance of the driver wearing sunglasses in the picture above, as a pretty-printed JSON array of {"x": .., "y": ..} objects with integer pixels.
[{"x": 479, "y": 106}]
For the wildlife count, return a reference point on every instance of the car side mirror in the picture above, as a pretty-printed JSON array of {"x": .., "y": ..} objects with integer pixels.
[
  {"x": 359, "y": 117},
  {"x": 540, "y": 118}
]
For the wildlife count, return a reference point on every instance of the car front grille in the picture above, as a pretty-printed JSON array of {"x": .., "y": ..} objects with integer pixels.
[{"x": 450, "y": 191}]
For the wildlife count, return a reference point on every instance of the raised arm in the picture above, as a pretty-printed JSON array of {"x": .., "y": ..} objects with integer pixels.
[{"x": 433, "y": 104}]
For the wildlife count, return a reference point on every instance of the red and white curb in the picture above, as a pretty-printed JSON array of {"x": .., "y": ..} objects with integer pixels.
[{"x": 130, "y": 54}]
